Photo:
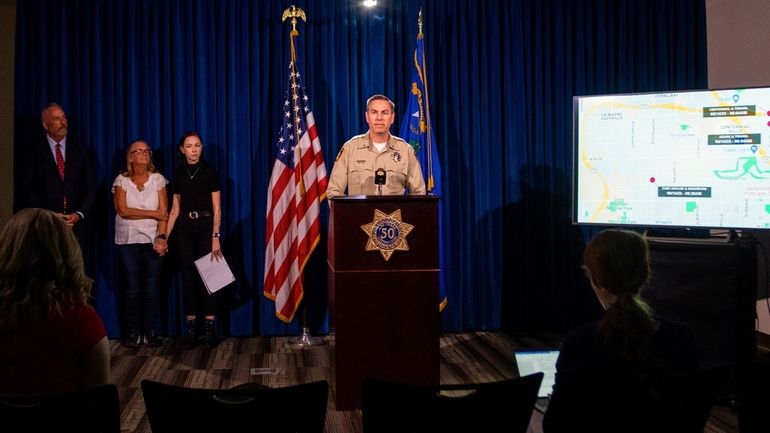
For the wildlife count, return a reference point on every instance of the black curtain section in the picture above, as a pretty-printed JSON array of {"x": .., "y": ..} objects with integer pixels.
[
  {"x": 501, "y": 76},
  {"x": 712, "y": 288}
]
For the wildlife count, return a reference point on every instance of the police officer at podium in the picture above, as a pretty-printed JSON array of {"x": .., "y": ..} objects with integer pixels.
[{"x": 376, "y": 163}]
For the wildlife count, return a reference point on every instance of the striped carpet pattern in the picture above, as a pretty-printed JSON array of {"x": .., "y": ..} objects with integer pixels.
[{"x": 468, "y": 357}]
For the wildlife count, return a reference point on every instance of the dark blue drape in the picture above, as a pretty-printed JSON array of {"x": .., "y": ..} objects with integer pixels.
[{"x": 501, "y": 74}]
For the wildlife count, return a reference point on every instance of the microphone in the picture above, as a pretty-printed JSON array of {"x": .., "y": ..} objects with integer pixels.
[{"x": 379, "y": 179}]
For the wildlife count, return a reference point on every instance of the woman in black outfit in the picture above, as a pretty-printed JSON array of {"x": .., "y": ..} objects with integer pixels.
[
  {"x": 196, "y": 214},
  {"x": 607, "y": 371}
]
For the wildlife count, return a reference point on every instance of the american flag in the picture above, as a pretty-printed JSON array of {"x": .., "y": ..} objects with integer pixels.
[{"x": 297, "y": 188}]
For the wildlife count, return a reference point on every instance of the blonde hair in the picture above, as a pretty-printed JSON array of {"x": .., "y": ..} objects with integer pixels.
[
  {"x": 129, "y": 171},
  {"x": 41, "y": 267},
  {"x": 618, "y": 261}
]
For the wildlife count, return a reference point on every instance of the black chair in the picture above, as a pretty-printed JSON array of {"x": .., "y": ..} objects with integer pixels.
[
  {"x": 630, "y": 403},
  {"x": 504, "y": 406},
  {"x": 687, "y": 399},
  {"x": 300, "y": 408},
  {"x": 753, "y": 397},
  {"x": 92, "y": 410}
]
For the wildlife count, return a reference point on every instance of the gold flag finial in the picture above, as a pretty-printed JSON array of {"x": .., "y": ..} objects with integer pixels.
[
  {"x": 419, "y": 22},
  {"x": 293, "y": 12}
]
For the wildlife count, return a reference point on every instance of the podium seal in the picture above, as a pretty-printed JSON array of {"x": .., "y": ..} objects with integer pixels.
[{"x": 387, "y": 233}]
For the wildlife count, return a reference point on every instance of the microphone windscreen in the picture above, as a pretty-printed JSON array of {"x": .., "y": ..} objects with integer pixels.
[{"x": 379, "y": 177}]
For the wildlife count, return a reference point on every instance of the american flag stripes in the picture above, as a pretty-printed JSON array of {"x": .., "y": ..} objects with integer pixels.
[{"x": 297, "y": 188}]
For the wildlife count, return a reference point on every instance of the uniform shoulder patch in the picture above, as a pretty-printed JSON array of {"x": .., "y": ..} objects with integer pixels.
[
  {"x": 402, "y": 142},
  {"x": 342, "y": 149}
]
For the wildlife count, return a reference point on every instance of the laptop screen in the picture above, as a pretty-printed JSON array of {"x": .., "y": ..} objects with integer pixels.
[{"x": 533, "y": 361}]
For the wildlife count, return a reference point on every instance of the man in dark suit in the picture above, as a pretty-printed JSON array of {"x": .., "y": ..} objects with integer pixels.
[{"x": 59, "y": 174}]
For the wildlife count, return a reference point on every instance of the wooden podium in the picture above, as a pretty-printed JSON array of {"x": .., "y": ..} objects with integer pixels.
[{"x": 384, "y": 313}]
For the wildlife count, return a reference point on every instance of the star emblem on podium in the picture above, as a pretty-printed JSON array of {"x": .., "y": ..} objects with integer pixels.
[{"x": 387, "y": 233}]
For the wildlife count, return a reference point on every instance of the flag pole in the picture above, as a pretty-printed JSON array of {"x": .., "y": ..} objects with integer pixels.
[
  {"x": 431, "y": 183},
  {"x": 305, "y": 340},
  {"x": 294, "y": 12}
]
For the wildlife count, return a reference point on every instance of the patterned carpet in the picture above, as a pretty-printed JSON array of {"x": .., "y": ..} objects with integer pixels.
[{"x": 465, "y": 358}]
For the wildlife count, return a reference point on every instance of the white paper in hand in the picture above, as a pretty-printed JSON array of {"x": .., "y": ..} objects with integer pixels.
[{"x": 214, "y": 273}]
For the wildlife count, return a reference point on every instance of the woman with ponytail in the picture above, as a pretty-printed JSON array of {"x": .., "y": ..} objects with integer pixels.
[{"x": 606, "y": 371}]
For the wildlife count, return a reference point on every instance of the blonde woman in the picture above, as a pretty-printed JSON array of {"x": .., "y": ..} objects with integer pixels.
[
  {"x": 52, "y": 340},
  {"x": 140, "y": 226}
]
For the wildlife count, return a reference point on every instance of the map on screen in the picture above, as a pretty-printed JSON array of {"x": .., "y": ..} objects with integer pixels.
[{"x": 679, "y": 159}]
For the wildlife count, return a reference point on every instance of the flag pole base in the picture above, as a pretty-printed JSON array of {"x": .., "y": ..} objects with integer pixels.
[{"x": 305, "y": 340}]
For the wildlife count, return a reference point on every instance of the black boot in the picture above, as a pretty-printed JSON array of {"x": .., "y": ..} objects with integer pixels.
[
  {"x": 152, "y": 339},
  {"x": 210, "y": 333},
  {"x": 191, "y": 334},
  {"x": 131, "y": 340}
]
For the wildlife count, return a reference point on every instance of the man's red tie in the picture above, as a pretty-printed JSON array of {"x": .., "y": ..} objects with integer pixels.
[{"x": 60, "y": 166}]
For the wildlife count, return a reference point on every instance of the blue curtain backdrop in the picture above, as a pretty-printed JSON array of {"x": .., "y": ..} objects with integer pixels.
[{"x": 502, "y": 76}]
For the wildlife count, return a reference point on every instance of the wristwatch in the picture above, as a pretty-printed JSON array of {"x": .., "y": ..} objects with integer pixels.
[{"x": 215, "y": 235}]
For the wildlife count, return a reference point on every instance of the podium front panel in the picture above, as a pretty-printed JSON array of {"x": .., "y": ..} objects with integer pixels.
[
  {"x": 384, "y": 313},
  {"x": 347, "y": 240},
  {"x": 386, "y": 327}
]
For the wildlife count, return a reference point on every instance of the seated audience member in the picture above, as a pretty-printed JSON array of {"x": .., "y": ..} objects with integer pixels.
[
  {"x": 52, "y": 340},
  {"x": 607, "y": 371}
]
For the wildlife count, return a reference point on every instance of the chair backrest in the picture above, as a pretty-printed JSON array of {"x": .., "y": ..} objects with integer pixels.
[
  {"x": 614, "y": 401},
  {"x": 92, "y": 410},
  {"x": 300, "y": 408},
  {"x": 504, "y": 406},
  {"x": 753, "y": 397},
  {"x": 687, "y": 399}
]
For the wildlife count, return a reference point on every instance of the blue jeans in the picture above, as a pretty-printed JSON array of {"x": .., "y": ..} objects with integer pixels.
[{"x": 142, "y": 267}]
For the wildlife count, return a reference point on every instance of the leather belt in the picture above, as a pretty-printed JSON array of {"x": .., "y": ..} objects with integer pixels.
[{"x": 194, "y": 215}]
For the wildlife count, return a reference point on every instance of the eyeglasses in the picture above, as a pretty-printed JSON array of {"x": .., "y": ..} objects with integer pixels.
[{"x": 142, "y": 151}]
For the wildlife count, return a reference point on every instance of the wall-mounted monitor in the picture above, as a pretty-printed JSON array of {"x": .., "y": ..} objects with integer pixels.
[{"x": 692, "y": 159}]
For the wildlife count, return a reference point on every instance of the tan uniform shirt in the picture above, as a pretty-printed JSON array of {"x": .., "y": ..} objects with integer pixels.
[{"x": 358, "y": 159}]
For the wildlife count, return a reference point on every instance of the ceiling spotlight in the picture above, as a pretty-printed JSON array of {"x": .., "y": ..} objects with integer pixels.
[{"x": 370, "y": 3}]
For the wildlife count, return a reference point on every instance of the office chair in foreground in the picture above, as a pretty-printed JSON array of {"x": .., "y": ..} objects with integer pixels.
[
  {"x": 297, "y": 409},
  {"x": 94, "y": 410},
  {"x": 687, "y": 399},
  {"x": 753, "y": 397},
  {"x": 632, "y": 403},
  {"x": 504, "y": 406}
]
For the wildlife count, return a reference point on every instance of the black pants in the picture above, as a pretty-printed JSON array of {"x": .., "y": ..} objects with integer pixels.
[{"x": 193, "y": 241}]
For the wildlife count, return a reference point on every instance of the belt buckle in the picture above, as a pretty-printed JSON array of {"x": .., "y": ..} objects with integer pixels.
[{"x": 192, "y": 215}]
